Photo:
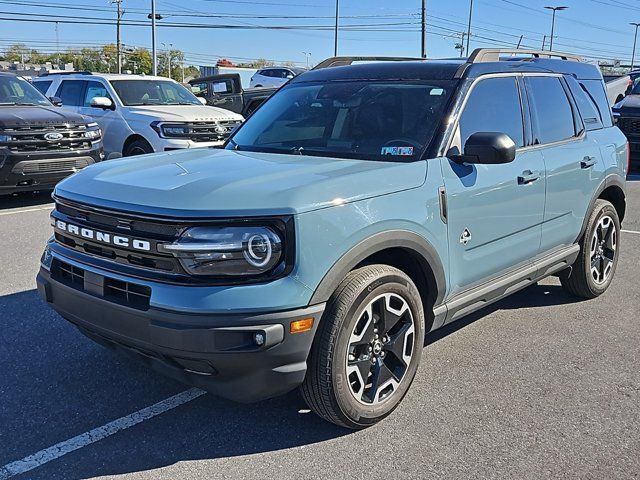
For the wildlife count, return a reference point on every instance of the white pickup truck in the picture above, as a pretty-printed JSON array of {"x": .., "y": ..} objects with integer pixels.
[
  {"x": 617, "y": 87},
  {"x": 140, "y": 113}
]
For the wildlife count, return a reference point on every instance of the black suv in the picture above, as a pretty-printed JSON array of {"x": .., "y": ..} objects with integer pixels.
[{"x": 40, "y": 144}]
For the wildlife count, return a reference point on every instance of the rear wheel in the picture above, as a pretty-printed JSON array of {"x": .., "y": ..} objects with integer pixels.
[
  {"x": 593, "y": 270},
  {"x": 367, "y": 348}
]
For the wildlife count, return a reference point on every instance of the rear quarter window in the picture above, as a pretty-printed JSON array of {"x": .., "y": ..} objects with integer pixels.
[
  {"x": 596, "y": 90},
  {"x": 586, "y": 105}
]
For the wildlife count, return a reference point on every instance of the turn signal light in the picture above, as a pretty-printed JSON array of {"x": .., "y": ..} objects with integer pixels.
[{"x": 299, "y": 326}]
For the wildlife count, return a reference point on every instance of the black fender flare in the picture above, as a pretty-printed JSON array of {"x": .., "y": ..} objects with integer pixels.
[
  {"x": 612, "y": 180},
  {"x": 381, "y": 241}
]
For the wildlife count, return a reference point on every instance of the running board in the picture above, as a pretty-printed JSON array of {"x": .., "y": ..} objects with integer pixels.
[{"x": 503, "y": 286}]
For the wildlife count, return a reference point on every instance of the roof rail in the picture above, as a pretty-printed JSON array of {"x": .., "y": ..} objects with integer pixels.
[
  {"x": 342, "y": 61},
  {"x": 481, "y": 55},
  {"x": 46, "y": 74}
]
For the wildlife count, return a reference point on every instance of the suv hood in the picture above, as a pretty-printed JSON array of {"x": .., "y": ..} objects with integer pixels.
[
  {"x": 184, "y": 113},
  {"x": 215, "y": 183},
  {"x": 11, "y": 116},
  {"x": 628, "y": 106}
]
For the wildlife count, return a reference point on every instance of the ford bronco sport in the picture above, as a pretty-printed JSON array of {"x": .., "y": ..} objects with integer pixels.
[{"x": 360, "y": 207}]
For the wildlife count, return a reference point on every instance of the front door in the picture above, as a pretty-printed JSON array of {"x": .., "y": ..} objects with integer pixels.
[
  {"x": 494, "y": 212},
  {"x": 110, "y": 121}
]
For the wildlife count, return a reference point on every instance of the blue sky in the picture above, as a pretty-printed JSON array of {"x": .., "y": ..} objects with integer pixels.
[{"x": 598, "y": 28}]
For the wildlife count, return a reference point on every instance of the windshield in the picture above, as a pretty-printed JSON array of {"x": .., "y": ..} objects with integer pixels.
[
  {"x": 17, "y": 91},
  {"x": 153, "y": 92},
  {"x": 387, "y": 120}
]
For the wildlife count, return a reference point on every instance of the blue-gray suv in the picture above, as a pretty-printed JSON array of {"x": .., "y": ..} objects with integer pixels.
[{"x": 362, "y": 206}]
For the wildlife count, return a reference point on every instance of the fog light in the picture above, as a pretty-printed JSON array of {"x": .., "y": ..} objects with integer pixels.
[
  {"x": 299, "y": 326},
  {"x": 258, "y": 338}
]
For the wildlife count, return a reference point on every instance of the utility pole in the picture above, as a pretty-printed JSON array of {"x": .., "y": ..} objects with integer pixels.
[
  {"x": 335, "y": 46},
  {"x": 168, "y": 50},
  {"x": 153, "y": 37},
  {"x": 469, "y": 27},
  {"x": 544, "y": 41},
  {"x": 553, "y": 22},
  {"x": 460, "y": 46},
  {"x": 423, "y": 44},
  {"x": 635, "y": 39},
  {"x": 57, "y": 45},
  {"x": 118, "y": 42},
  {"x": 306, "y": 56}
]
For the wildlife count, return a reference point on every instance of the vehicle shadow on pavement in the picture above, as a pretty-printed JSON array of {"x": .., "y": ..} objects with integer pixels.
[
  {"x": 57, "y": 384},
  {"x": 531, "y": 297},
  {"x": 27, "y": 199}
]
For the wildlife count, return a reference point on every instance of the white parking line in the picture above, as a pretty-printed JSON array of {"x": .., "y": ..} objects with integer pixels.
[
  {"x": 25, "y": 210},
  {"x": 58, "y": 450},
  {"x": 630, "y": 231}
]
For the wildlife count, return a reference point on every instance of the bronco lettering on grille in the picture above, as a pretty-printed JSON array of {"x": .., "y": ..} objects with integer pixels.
[{"x": 103, "y": 237}]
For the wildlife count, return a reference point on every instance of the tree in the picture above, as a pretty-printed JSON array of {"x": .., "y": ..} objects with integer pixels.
[
  {"x": 17, "y": 52},
  {"x": 138, "y": 60}
]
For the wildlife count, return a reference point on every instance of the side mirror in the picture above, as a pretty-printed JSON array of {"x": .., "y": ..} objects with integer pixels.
[
  {"x": 57, "y": 101},
  {"x": 101, "y": 102},
  {"x": 203, "y": 101},
  {"x": 487, "y": 148}
]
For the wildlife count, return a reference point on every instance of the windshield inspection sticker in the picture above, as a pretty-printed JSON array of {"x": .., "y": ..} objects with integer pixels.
[{"x": 403, "y": 151}]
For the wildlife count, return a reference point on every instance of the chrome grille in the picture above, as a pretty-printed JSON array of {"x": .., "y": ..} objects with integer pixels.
[
  {"x": 212, "y": 131},
  {"x": 28, "y": 167},
  {"x": 31, "y": 138}
]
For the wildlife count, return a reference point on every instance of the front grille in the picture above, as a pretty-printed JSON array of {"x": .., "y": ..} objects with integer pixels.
[
  {"x": 31, "y": 138},
  {"x": 212, "y": 131},
  {"x": 28, "y": 167},
  {"x": 629, "y": 125},
  {"x": 127, "y": 294}
]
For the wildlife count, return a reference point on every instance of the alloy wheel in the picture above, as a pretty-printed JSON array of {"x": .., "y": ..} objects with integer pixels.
[
  {"x": 380, "y": 349},
  {"x": 603, "y": 249}
]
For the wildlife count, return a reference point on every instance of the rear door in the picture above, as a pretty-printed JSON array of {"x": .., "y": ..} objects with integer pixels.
[
  {"x": 571, "y": 156},
  {"x": 70, "y": 92},
  {"x": 494, "y": 211}
]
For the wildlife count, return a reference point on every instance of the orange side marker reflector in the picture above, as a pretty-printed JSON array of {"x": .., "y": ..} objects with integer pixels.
[{"x": 299, "y": 326}]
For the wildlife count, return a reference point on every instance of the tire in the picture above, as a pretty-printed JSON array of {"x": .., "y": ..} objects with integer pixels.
[
  {"x": 345, "y": 346},
  {"x": 599, "y": 244},
  {"x": 138, "y": 147}
]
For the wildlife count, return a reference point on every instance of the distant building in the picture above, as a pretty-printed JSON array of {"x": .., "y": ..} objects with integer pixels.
[{"x": 33, "y": 69}]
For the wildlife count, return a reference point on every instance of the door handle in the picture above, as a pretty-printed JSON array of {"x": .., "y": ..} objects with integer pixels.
[
  {"x": 588, "y": 162},
  {"x": 528, "y": 177}
]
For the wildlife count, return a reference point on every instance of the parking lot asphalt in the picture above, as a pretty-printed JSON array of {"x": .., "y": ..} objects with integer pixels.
[{"x": 538, "y": 385}]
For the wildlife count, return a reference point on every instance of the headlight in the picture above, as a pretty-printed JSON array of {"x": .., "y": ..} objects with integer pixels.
[
  {"x": 228, "y": 251},
  {"x": 171, "y": 129},
  {"x": 92, "y": 134}
]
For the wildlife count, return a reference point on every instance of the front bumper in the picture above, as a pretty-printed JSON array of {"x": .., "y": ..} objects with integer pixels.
[
  {"x": 20, "y": 172},
  {"x": 216, "y": 352}
]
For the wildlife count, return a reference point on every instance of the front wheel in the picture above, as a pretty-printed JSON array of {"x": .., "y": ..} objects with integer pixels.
[
  {"x": 367, "y": 349},
  {"x": 593, "y": 270}
]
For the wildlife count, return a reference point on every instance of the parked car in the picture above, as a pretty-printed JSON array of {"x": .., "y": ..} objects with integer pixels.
[
  {"x": 627, "y": 115},
  {"x": 274, "y": 76},
  {"x": 361, "y": 207},
  {"x": 141, "y": 114},
  {"x": 225, "y": 91},
  {"x": 617, "y": 87},
  {"x": 40, "y": 144}
]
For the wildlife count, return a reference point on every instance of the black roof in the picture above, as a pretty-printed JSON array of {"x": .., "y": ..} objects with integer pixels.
[{"x": 480, "y": 63}]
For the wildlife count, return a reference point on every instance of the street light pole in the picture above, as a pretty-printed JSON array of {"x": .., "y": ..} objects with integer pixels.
[
  {"x": 306, "y": 56},
  {"x": 469, "y": 27},
  {"x": 635, "y": 39},
  {"x": 153, "y": 37},
  {"x": 118, "y": 43},
  {"x": 423, "y": 43},
  {"x": 335, "y": 46},
  {"x": 553, "y": 23}
]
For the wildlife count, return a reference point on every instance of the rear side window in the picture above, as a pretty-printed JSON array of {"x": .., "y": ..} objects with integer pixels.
[
  {"x": 43, "y": 86},
  {"x": 70, "y": 92},
  {"x": 595, "y": 89},
  {"x": 551, "y": 110},
  {"x": 493, "y": 106},
  {"x": 586, "y": 105}
]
